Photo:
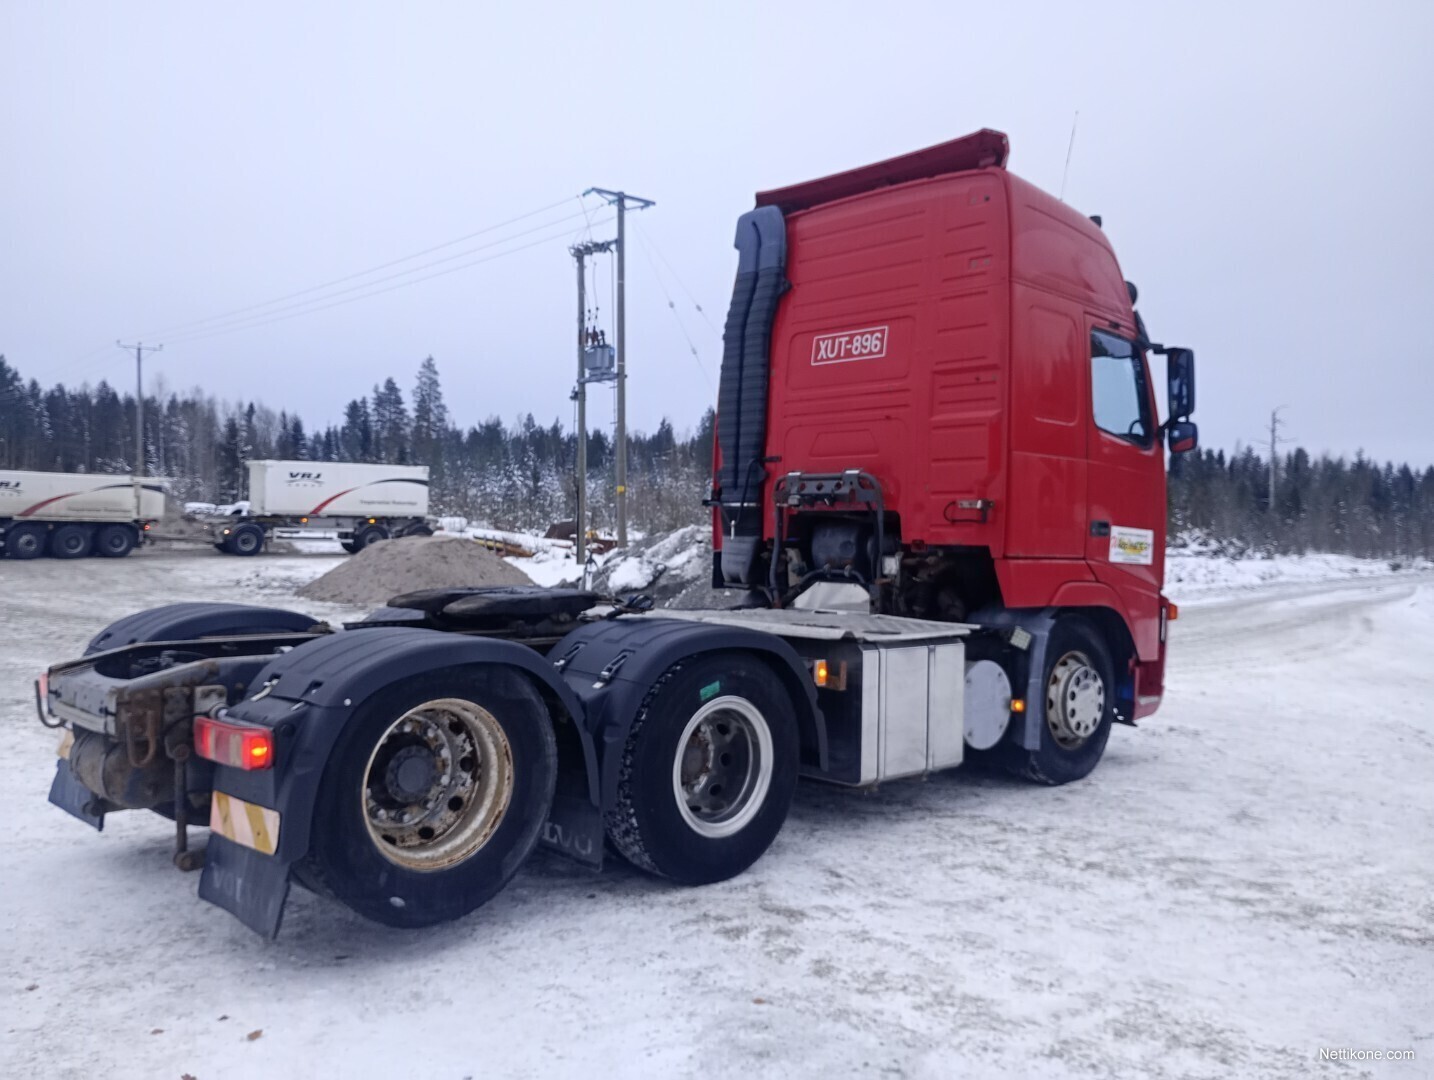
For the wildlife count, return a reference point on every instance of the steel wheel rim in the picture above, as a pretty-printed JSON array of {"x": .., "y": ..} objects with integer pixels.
[
  {"x": 437, "y": 784},
  {"x": 722, "y": 770},
  {"x": 1075, "y": 700},
  {"x": 246, "y": 541}
]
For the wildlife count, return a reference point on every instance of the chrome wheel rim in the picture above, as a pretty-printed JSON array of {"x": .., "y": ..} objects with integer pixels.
[
  {"x": 723, "y": 767},
  {"x": 1075, "y": 700},
  {"x": 437, "y": 784}
]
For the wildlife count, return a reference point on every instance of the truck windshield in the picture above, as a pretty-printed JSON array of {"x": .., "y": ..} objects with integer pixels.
[{"x": 1119, "y": 400}]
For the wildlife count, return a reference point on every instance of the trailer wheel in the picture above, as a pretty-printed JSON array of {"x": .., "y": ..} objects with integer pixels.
[
  {"x": 25, "y": 541},
  {"x": 71, "y": 541},
  {"x": 115, "y": 541},
  {"x": 433, "y": 797},
  {"x": 1078, "y": 709},
  {"x": 247, "y": 539},
  {"x": 370, "y": 535},
  {"x": 708, "y": 771}
]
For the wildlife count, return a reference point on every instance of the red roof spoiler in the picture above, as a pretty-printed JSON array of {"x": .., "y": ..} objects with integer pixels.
[{"x": 980, "y": 150}]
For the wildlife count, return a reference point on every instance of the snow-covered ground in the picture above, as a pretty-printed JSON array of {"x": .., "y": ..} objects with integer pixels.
[
  {"x": 1205, "y": 577},
  {"x": 1247, "y": 878}
]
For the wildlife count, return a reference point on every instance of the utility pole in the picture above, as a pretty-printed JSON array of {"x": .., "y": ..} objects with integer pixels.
[
  {"x": 139, "y": 350},
  {"x": 580, "y": 537},
  {"x": 620, "y": 199},
  {"x": 580, "y": 252}
]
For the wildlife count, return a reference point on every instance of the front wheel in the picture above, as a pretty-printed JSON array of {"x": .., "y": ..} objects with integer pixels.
[
  {"x": 433, "y": 797},
  {"x": 368, "y": 536},
  {"x": 708, "y": 772},
  {"x": 1078, "y": 708},
  {"x": 245, "y": 540}
]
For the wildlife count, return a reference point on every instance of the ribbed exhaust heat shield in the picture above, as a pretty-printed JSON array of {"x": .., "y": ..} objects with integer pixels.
[{"x": 742, "y": 395}]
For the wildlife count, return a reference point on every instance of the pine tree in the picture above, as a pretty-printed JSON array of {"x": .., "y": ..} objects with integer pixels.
[
  {"x": 430, "y": 415},
  {"x": 390, "y": 424}
]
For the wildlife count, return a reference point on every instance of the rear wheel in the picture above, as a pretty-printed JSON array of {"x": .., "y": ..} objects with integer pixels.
[
  {"x": 1078, "y": 708},
  {"x": 708, "y": 771},
  {"x": 245, "y": 540},
  {"x": 115, "y": 541},
  {"x": 433, "y": 797},
  {"x": 25, "y": 541},
  {"x": 71, "y": 541}
]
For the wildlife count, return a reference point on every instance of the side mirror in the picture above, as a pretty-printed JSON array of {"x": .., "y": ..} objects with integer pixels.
[
  {"x": 1180, "y": 382},
  {"x": 1183, "y": 436}
]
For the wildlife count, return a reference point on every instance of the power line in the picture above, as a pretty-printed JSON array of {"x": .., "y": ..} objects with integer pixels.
[
  {"x": 240, "y": 321},
  {"x": 371, "y": 270},
  {"x": 1070, "y": 149},
  {"x": 646, "y": 239},
  {"x": 265, "y": 321},
  {"x": 676, "y": 317}
]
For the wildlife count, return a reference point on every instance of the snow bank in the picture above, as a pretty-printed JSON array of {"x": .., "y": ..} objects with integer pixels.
[{"x": 675, "y": 569}]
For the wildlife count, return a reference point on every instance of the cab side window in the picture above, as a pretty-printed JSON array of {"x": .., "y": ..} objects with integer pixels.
[{"x": 1118, "y": 395}]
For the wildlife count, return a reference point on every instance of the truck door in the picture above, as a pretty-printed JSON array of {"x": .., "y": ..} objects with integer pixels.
[{"x": 1125, "y": 536}]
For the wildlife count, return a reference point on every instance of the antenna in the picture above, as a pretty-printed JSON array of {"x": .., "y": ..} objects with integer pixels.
[{"x": 1069, "y": 149}]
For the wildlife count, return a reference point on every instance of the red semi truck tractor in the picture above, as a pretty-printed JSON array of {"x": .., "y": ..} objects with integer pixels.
[{"x": 934, "y": 389}]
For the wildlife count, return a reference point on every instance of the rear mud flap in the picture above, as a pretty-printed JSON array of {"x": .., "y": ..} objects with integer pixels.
[
  {"x": 74, "y": 798},
  {"x": 250, "y": 886},
  {"x": 574, "y": 830}
]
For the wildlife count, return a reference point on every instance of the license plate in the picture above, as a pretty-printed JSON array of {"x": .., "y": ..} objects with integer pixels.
[
  {"x": 253, "y": 826},
  {"x": 67, "y": 740}
]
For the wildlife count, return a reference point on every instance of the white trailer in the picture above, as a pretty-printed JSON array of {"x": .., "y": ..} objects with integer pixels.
[
  {"x": 71, "y": 515},
  {"x": 359, "y": 502}
]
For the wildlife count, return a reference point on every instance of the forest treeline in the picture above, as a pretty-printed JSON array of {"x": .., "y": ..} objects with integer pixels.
[
  {"x": 516, "y": 475},
  {"x": 520, "y": 475}
]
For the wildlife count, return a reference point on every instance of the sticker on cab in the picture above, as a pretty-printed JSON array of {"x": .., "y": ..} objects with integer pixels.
[
  {"x": 867, "y": 344},
  {"x": 1135, "y": 546}
]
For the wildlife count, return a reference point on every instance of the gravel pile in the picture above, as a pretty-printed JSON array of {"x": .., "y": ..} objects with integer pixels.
[{"x": 408, "y": 564}]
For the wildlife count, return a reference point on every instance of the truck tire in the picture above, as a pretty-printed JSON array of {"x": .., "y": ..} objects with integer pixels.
[
  {"x": 476, "y": 754},
  {"x": 708, "y": 771},
  {"x": 370, "y": 534},
  {"x": 25, "y": 541},
  {"x": 115, "y": 541},
  {"x": 71, "y": 541},
  {"x": 1077, "y": 713},
  {"x": 247, "y": 539}
]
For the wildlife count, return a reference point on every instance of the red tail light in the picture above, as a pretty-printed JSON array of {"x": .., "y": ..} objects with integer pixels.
[{"x": 240, "y": 746}]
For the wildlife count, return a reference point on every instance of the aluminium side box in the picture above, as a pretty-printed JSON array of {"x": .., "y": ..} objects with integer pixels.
[
  {"x": 337, "y": 489},
  {"x": 87, "y": 497}
]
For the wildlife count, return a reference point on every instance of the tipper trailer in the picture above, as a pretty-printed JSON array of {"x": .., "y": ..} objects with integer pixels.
[
  {"x": 934, "y": 388},
  {"x": 362, "y": 503},
  {"x": 71, "y": 515}
]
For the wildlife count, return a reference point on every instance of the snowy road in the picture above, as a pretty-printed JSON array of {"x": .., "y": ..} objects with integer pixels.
[{"x": 1247, "y": 878}]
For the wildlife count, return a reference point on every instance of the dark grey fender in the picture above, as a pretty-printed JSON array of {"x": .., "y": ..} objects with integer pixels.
[
  {"x": 182, "y": 622},
  {"x": 1038, "y": 622},
  {"x": 610, "y": 665},
  {"x": 312, "y": 693}
]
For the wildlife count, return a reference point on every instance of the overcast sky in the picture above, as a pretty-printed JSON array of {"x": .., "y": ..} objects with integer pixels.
[{"x": 1264, "y": 170}]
